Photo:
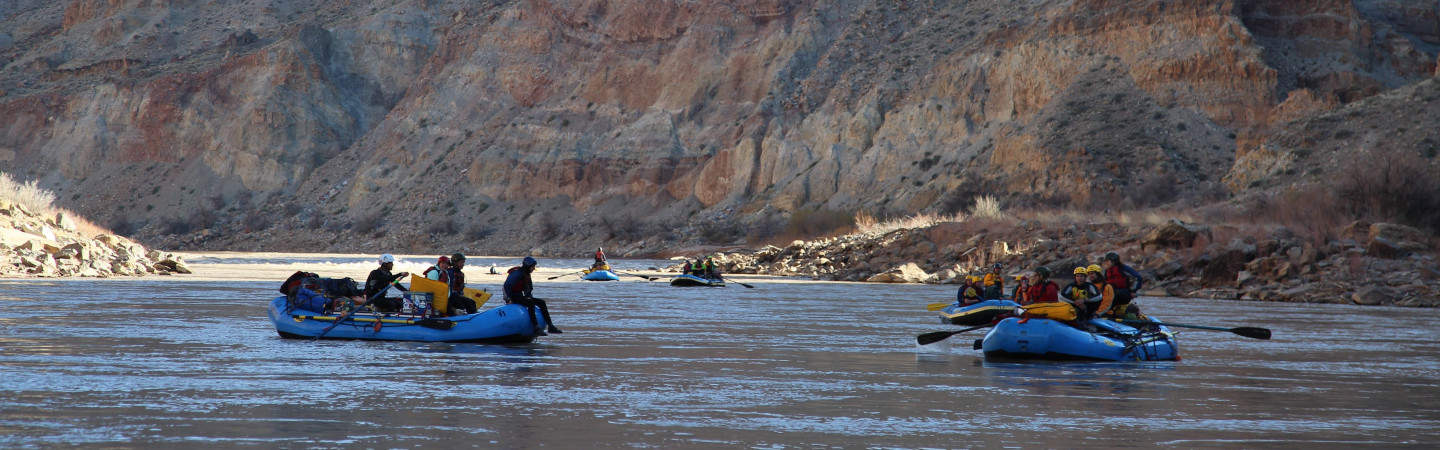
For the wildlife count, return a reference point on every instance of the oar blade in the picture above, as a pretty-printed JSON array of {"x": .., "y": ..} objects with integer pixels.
[
  {"x": 933, "y": 337},
  {"x": 1252, "y": 332},
  {"x": 936, "y": 306}
]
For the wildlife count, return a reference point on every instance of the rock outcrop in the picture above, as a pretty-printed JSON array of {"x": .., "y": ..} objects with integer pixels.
[
  {"x": 36, "y": 245},
  {"x": 1273, "y": 265},
  {"x": 505, "y": 125}
]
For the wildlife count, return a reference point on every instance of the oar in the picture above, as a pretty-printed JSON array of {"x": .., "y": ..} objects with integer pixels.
[
  {"x": 439, "y": 324},
  {"x": 353, "y": 308},
  {"x": 567, "y": 274},
  {"x": 1250, "y": 332},
  {"x": 937, "y": 306},
  {"x": 931, "y": 338},
  {"x": 746, "y": 286},
  {"x": 634, "y": 275}
]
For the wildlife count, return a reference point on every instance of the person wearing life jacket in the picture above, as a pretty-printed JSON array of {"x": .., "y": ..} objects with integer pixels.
[
  {"x": 1125, "y": 281},
  {"x": 1081, "y": 293},
  {"x": 455, "y": 276},
  {"x": 969, "y": 294},
  {"x": 600, "y": 262},
  {"x": 687, "y": 269},
  {"x": 519, "y": 289},
  {"x": 994, "y": 283},
  {"x": 379, "y": 281},
  {"x": 440, "y": 271},
  {"x": 710, "y": 271},
  {"x": 1043, "y": 290},
  {"x": 1022, "y": 288}
]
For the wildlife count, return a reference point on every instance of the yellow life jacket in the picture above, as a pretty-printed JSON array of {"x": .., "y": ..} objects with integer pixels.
[
  {"x": 1052, "y": 310},
  {"x": 991, "y": 279}
]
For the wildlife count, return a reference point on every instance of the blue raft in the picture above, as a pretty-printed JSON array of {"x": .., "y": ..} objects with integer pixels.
[
  {"x": 692, "y": 280},
  {"x": 506, "y": 324},
  {"x": 977, "y": 314},
  {"x": 1048, "y": 339},
  {"x": 600, "y": 275}
]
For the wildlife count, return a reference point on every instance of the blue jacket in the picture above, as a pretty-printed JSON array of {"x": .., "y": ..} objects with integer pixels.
[{"x": 518, "y": 285}]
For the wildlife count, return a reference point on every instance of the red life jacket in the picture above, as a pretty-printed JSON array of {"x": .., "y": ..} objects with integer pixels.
[
  {"x": 1043, "y": 292},
  {"x": 1116, "y": 277}
]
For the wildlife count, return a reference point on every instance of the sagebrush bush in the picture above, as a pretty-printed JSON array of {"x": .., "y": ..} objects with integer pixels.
[
  {"x": 1391, "y": 185},
  {"x": 28, "y": 194}
]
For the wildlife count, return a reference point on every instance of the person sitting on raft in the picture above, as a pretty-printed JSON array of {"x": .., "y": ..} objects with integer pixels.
[
  {"x": 686, "y": 269},
  {"x": 380, "y": 280},
  {"x": 710, "y": 271},
  {"x": 1082, "y": 294},
  {"x": 1044, "y": 290},
  {"x": 994, "y": 283},
  {"x": 1022, "y": 288},
  {"x": 599, "y": 257},
  {"x": 440, "y": 271},
  {"x": 519, "y": 289},
  {"x": 455, "y": 276},
  {"x": 969, "y": 294},
  {"x": 1125, "y": 281},
  {"x": 699, "y": 267}
]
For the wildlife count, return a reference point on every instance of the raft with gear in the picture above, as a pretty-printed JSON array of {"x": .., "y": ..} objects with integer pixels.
[
  {"x": 977, "y": 314},
  {"x": 505, "y": 324},
  {"x": 1102, "y": 340},
  {"x": 600, "y": 275},
  {"x": 688, "y": 280}
]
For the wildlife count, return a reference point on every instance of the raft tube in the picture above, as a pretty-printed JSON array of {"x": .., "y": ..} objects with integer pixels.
[
  {"x": 977, "y": 314},
  {"x": 1035, "y": 338},
  {"x": 691, "y": 280},
  {"x": 505, "y": 324},
  {"x": 600, "y": 275}
]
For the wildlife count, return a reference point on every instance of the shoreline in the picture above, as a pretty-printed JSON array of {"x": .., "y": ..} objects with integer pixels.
[{"x": 1369, "y": 264}]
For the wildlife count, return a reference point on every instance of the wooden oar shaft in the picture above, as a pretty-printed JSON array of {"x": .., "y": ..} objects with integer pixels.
[{"x": 357, "y": 319}]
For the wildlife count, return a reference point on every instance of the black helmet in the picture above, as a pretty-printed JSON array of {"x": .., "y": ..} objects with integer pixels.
[
  {"x": 998, "y": 266},
  {"x": 1043, "y": 272},
  {"x": 457, "y": 257},
  {"x": 1112, "y": 257}
]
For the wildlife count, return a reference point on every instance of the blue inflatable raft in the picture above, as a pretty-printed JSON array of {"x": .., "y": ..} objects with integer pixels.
[
  {"x": 692, "y": 280},
  {"x": 600, "y": 275},
  {"x": 1048, "y": 339},
  {"x": 506, "y": 324},
  {"x": 977, "y": 314}
]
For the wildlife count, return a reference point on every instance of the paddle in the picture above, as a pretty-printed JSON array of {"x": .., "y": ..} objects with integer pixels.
[
  {"x": 743, "y": 284},
  {"x": 567, "y": 274},
  {"x": 1250, "y": 332},
  {"x": 354, "y": 308},
  {"x": 931, "y": 338},
  {"x": 634, "y": 275},
  {"x": 937, "y": 306},
  {"x": 428, "y": 322}
]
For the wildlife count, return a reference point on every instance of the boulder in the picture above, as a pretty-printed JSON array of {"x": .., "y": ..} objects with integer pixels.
[
  {"x": 1380, "y": 247},
  {"x": 48, "y": 232},
  {"x": 1373, "y": 295},
  {"x": 1397, "y": 232},
  {"x": 906, "y": 273},
  {"x": 1243, "y": 277},
  {"x": 65, "y": 222},
  {"x": 1173, "y": 234},
  {"x": 1223, "y": 268}
]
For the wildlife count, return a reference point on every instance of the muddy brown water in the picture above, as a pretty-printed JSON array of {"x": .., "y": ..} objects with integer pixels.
[{"x": 176, "y": 362}]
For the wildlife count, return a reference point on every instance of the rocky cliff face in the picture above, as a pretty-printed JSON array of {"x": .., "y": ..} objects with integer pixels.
[{"x": 501, "y": 125}]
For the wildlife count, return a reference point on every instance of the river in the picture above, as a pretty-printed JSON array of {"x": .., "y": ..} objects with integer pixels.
[{"x": 191, "y": 361}]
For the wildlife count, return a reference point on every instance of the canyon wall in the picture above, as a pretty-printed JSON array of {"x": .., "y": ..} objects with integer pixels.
[{"x": 540, "y": 125}]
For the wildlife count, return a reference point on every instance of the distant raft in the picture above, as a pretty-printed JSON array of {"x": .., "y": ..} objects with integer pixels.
[
  {"x": 688, "y": 280},
  {"x": 600, "y": 275},
  {"x": 505, "y": 324},
  {"x": 1034, "y": 338},
  {"x": 977, "y": 314}
]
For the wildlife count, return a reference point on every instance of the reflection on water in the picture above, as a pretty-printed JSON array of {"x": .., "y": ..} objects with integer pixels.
[{"x": 187, "y": 363}]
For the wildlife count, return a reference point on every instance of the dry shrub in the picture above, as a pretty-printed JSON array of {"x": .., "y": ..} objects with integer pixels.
[
  {"x": 367, "y": 224},
  {"x": 922, "y": 220},
  {"x": 28, "y": 194},
  {"x": 443, "y": 227},
  {"x": 1392, "y": 186},
  {"x": 987, "y": 207},
  {"x": 809, "y": 223},
  {"x": 255, "y": 222}
]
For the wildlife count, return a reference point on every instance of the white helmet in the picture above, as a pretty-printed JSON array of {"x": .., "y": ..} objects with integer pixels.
[{"x": 387, "y": 258}]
